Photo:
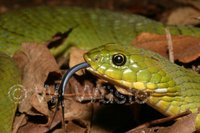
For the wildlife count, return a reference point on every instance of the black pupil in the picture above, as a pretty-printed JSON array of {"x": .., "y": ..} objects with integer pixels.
[{"x": 119, "y": 59}]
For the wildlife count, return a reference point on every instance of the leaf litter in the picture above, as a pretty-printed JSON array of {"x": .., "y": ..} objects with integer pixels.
[
  {"x": 186, "y": 48},
  {"x": 127, "y": 5},
  {"x": 39, "y": 68},
  {"x": 35, "y": 63}
]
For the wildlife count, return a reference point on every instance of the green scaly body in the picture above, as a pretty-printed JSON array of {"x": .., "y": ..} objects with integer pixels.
[
  {"x": 91, "y": 28},
  {"x": 172, "y": 89},
  {"x": 10, "y": 77}
]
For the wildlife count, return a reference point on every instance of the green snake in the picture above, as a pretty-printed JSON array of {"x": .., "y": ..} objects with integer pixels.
[
  {"x": 10, "y": 78},
  {"x": 91, "y": 29},
  {"x": 172, "y": 89}
]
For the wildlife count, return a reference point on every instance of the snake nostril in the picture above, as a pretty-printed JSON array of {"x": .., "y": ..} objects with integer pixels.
[{"x": 97, "y": 58}]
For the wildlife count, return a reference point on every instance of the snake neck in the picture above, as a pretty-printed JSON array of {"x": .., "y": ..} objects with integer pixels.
[{"x": 182, "y": 96}]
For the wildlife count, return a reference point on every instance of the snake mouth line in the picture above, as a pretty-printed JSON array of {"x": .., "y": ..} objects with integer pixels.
[
  {"x": 106, "y": 78},
  {"x": 155, "y": 92}
]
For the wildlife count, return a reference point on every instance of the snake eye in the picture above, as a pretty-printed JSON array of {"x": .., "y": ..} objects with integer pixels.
[{"x": 119, "y": 59}]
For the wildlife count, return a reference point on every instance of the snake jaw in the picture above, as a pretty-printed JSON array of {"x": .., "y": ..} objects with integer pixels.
[
  {"x": 123, "y": 88},
  {"x": 120, "y": 87},
  {"x": 148, "y": 93}
]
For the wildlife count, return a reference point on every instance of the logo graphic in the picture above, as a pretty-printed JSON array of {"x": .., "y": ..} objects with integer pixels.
[{"x": 17, "y": 93}]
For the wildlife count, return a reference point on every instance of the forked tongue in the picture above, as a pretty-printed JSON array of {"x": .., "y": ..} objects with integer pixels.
[{"x": 63, "y": 85}]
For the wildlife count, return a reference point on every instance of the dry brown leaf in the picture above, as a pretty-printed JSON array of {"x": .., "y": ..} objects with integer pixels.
[
  {"x": 183, "y": 125},
  {"x": 186, "y": 48},
  {"x": 75, "y": 128},
  {"x": 76, "y": 57},
  {"x": 85, "y": 91},
  {"x": 77, "y": 110},
  {"x": 186, "y": 16},
  {"x": 39, "y": 127},
  {"x": 59, "y": 131},
  {"x": 36, "y": 63},
  {"x": 33, "y": 128},
  {"x": 39, "y": 102},
  {"x": 80, "y": 117},
  {"x": 18, "y": 121}
]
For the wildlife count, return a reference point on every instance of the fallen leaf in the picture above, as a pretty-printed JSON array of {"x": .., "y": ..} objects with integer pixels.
[
  {"x": 84, "y": 90},
  {"x": 72, "y": 126},
  {"x": 33, "y": 128},
  {"x": 39, "y": 127},
  {"x": 77, "y": 110},
  {"x": 186, "y": 48},
  {"x": 38, "y": 100},
  {"x": 186, "y": 16},
  {"x": 182, "y": 125},
  {"x": 76, "y": 57},
  {"x": 35, "y": 62}
]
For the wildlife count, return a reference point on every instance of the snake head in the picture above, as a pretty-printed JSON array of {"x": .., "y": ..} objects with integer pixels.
[{"x": 129, "y": 67}]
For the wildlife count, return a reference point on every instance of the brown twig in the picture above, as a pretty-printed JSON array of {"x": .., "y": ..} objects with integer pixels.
[
  {"x": 170, "y": 45},
  {"x": 159, "y": 121}
]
